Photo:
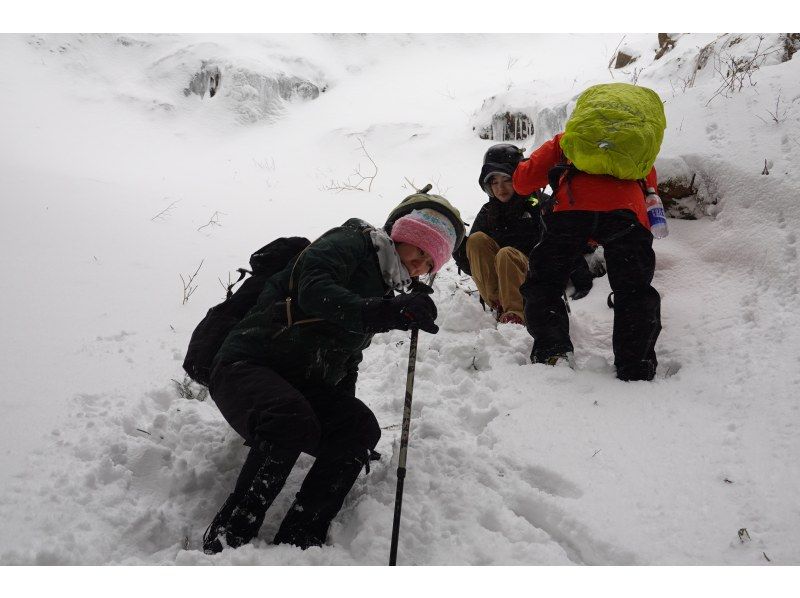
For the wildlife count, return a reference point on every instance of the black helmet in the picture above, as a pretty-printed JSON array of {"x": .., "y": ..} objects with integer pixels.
[{"x": 503, "y": 153}]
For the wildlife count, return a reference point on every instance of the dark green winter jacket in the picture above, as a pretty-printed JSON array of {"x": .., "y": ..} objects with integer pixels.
[{"x": 332, "y": 277}]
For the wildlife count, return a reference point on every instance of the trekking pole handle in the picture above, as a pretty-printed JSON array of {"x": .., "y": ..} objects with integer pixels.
[{"x": 401, "y": 464}]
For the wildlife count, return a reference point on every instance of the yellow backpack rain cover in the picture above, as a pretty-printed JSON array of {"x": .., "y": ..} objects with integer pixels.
[{"x": 616, "y": 129}]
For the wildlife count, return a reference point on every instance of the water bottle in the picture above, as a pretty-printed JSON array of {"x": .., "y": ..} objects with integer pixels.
[{"x": 655, "y": 214}]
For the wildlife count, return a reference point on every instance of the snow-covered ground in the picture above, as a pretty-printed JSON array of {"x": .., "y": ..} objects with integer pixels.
[{"x": 116, "y": 183}]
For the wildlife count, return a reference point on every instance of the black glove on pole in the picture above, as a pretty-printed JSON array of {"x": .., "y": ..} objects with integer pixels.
[
  {"x": 401, "y": 462},
  {"x": 404, "y": 312}
]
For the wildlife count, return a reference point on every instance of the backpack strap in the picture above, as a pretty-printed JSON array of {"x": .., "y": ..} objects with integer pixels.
[
  {"x": 563, "y": 172},
  {"x": 571, "y": 170},
  {"x": 365, "y": 230},
  {"x": 288, "y": 301},
  {"x": 559, "y": 174}
]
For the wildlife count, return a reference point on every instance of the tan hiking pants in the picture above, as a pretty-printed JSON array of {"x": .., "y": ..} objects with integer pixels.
[{"x": 498, "y": 273}]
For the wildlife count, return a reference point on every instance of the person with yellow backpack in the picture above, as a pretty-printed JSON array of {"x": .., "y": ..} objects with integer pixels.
[{"x": 600, "y": 169}]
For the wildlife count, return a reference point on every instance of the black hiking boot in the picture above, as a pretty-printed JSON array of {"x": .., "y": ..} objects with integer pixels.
[
  {"x": 643, "y": 370},
  {"x": 263, "y": 474},
  {"x": 320, "y": 498},
  {"x": 568, "y": 357}
]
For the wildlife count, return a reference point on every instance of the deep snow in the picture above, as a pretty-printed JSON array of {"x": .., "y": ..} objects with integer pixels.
[{"x": 510, "y": 463}]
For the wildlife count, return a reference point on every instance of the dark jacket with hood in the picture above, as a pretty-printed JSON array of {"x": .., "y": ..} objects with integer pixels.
[
  {"x": 516, "y": 223},
  {"x": 330, "y": 282}
]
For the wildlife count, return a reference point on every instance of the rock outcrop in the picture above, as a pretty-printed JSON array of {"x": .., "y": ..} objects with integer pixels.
[
  {"x": 666, "y": 41},
  {"x": 255, "y": 96},
  {"x": 207, "y": 79},
  {"x": 508, "y": 126}
]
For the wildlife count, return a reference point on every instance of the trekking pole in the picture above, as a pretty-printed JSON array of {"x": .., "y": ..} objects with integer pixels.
[
  {"x": 401, "y": 462},
  {"x": 401, "y": 465}
]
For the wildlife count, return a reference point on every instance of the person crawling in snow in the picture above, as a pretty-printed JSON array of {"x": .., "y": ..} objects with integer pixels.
[
  {"x": 611, "y": 211},
  {"x": 502, "y": 236},
  {"x": 285, "y": 377}
]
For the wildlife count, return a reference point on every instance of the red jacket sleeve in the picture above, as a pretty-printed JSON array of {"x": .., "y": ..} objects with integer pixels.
[{"x": 531, "y": 174}]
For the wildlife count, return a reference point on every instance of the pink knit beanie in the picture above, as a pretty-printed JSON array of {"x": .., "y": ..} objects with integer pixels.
[{"x": 429, "y": 230}]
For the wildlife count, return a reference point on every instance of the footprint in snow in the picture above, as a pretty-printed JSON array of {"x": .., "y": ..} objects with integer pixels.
[
  {"x": 575, "y": 538},
  {"x": 547, "y": 480}
]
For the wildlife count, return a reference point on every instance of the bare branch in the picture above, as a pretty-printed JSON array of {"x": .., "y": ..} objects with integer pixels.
[
  {"x": 687, "y": 82},
  {"x": 447, "y": 93},
  {"x": 613, "y": 55},
  {"x": 363, "y": 179},
  {"x": 411, "y": 184},
  {"x": 225, "y": 286},
  {"x": 214, "y": 220},
  {"x": 777, "y": 116},
  {"x": 439, "y": 189},
  {"x": 635, "y": 74},
  {"x": 738, "y": 72},
  {"x": 188, "y": 288},
  {"x": 165, "y": 212}
]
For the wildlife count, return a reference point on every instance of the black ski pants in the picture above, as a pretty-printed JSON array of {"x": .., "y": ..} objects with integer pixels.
[
  {"x": 630, "y": 261},
  {"x": 267, "y": 411},
  {"x": 263, "y": 407}
]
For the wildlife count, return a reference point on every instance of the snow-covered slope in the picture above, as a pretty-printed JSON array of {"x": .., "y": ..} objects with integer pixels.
[{"x": 116, "y": 183}]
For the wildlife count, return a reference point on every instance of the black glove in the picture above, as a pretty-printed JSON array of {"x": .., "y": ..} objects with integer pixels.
[
  {"x": 419, "y": 287},
  {"x": 415, "y": 310}
]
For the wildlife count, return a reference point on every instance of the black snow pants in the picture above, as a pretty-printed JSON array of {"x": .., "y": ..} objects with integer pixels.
[
  {"x": 336, "y": 428},
  {"x": 630, "y": 262}
]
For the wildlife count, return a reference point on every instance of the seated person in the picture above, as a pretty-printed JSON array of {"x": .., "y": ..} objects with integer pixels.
[{"x": 502, "y": 236}]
